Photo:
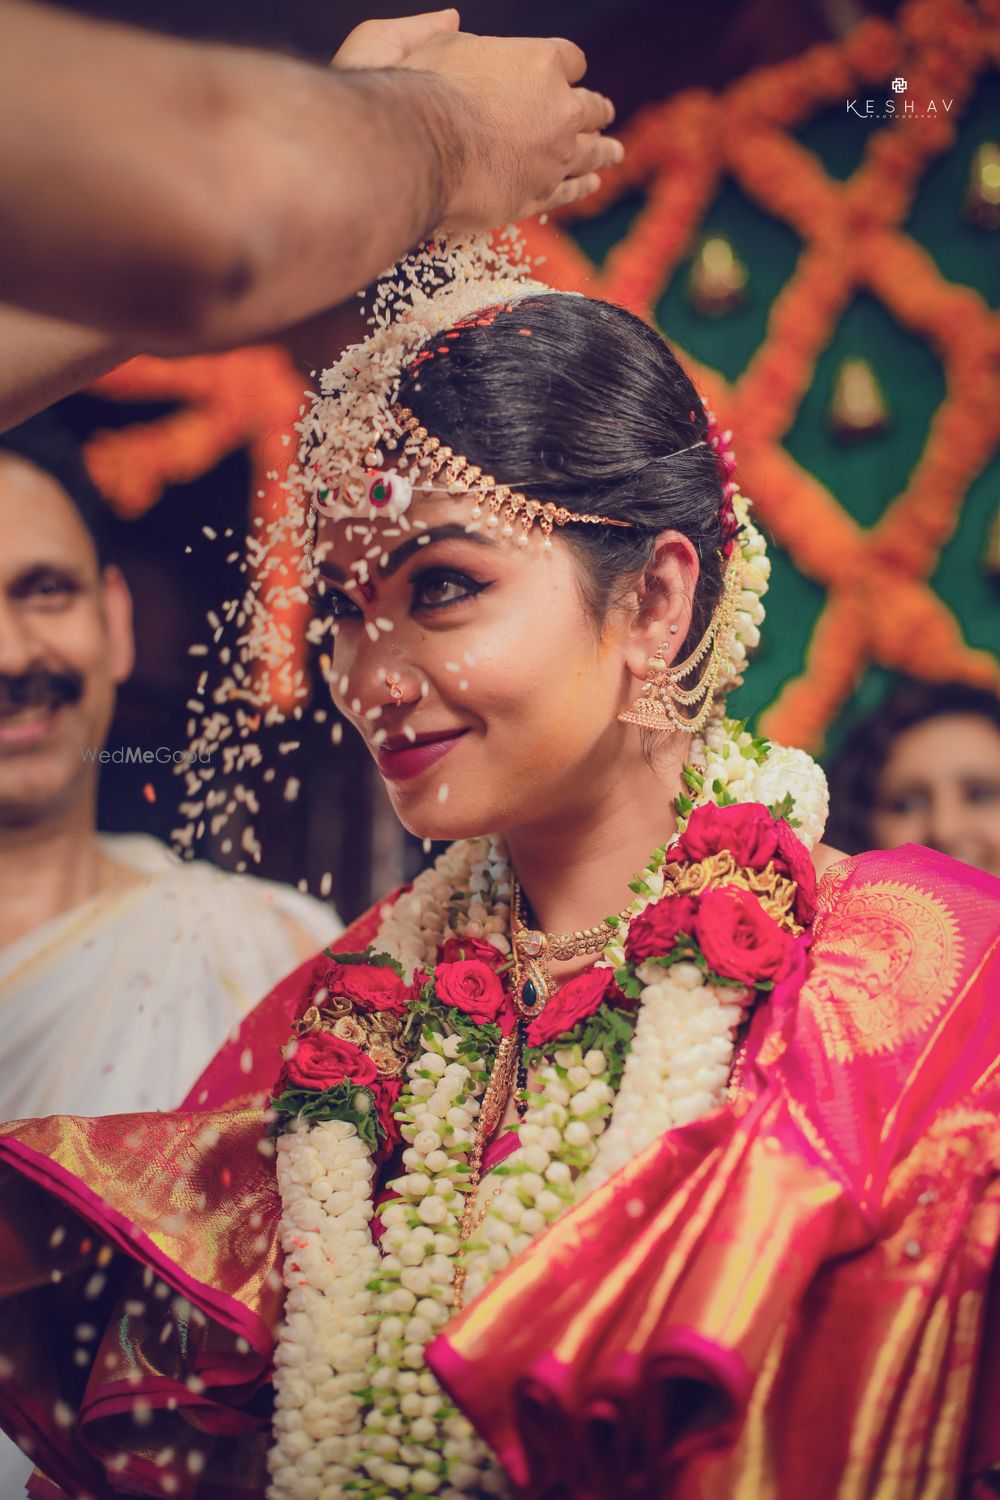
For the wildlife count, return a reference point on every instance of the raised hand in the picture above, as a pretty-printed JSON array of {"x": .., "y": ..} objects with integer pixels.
[{"x": 531, "y": 134}]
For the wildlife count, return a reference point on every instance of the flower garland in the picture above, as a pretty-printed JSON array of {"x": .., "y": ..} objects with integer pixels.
[
  {"x": 637, "y": 1045},
  {"x": 395, "y": 1054}
]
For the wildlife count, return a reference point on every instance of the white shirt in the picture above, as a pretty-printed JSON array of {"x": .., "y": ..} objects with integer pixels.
[{"x": 120, "y": 1003}]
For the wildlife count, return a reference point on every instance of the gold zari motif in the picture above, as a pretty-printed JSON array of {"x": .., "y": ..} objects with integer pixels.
[{"x": 893, "y": 955}]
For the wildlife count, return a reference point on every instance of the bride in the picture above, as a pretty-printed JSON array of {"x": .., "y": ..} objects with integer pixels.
[{"x": 644, "y": 1145}]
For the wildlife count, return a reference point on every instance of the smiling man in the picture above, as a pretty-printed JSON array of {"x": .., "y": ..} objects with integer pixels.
[{"x": 122, "y": 968}]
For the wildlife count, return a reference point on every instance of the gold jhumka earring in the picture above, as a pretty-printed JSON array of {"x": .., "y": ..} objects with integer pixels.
[{"x": 664, "y": 701}]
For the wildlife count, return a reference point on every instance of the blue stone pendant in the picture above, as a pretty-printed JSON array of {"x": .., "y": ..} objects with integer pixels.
[{"x": 534, "y": 989}]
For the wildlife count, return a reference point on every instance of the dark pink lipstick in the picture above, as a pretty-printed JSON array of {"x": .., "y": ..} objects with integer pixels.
[{"x": 400, "y": 759}]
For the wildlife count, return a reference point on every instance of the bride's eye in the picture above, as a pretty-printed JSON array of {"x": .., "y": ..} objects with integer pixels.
[
  {"x": 332, "y": 602},
  {"x": 436, "y": 587}
]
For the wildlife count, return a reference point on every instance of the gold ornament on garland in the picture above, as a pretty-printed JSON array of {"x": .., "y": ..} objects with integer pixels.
[
  {"x": 981, "y": 205},
  {"x": 717, "y": 282},
  {"x": 858, "y": 408}
]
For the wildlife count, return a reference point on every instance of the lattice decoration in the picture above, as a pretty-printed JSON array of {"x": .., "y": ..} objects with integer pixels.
[{"x": 880, "y": 608}]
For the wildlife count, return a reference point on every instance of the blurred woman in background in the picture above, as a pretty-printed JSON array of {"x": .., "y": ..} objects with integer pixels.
[{"x": 923, "y": 769}]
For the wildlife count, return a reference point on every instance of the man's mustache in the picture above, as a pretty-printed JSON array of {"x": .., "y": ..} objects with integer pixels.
[{"x": 41, "y": 687}]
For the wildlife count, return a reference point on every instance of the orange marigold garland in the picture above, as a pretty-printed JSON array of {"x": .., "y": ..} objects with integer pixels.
[{"x": 880, "y": 607}]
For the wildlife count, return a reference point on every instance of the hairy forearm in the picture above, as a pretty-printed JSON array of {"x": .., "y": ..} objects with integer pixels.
[
  {"x": 322, "y": 223},
  {"x": 43, "y": 359},
  {"x": 184, "y": 197}
]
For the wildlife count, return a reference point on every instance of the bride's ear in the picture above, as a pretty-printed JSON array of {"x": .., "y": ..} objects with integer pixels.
[{"x": 664, "y": 601}]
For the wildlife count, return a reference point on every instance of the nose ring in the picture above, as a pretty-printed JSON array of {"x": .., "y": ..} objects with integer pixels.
[{"x": 392, "y": 683}]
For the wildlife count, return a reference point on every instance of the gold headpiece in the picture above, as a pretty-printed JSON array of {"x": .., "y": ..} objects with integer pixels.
[{"x": 502, "y": 503}]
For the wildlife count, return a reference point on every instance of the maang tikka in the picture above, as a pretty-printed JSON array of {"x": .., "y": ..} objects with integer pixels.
[{"x": 664, "y": 701}]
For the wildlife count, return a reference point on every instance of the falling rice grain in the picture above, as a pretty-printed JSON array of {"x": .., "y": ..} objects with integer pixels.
[
  {"x": 62, "y": 1415},
  {"x": 443, "y": 792}
]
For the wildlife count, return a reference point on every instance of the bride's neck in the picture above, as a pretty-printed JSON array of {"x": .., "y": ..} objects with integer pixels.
[{"x": 574, "y": 867}]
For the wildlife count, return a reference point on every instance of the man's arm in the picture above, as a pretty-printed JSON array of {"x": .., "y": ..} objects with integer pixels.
[
  {"x": 183, "y": 196},
  {"x": 43, "y": 359}
]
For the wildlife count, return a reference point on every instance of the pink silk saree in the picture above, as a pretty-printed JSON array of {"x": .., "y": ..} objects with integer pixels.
[{"x": 787, "y": 1298}]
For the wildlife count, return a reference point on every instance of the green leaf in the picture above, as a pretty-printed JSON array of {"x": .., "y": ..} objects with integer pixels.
[
  {"x": 427, "y": 1014},
  {"x": 609, "y": 1030},
  {"x": 784, "y": 809},
  {"x": 348, "y": 1101},
  {"x": 376, "y": 960},
  {"x": 683, "y": 804},
  {"x": 626, "y": 981}
]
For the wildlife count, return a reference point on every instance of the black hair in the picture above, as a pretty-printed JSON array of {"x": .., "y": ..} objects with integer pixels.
[
  {"x": 579, "y": 402},
  {"x": 856, "y": 771},
  {"x": 50, "y": 446}
]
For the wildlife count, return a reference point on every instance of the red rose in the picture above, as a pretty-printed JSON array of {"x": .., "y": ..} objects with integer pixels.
[
  {"x": 370, "y": 986},
  {"x": 386, "y": 1091},
  {"x": 457, "y": 950},
  {"x": 739, "y": 939},
  {"x": 320, "y": 1060},
  {"x": 654, "y": 931},
  {"x": 470, "y": 986},
  {"x": 574, "y": 1001},
  {"x": 794, "y": 860},
  {"x": 746, "y": 829}
]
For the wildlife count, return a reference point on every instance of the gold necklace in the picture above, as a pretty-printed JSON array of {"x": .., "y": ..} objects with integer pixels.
[
  {"x": 534, "y": 950},
  {"x": 532, "y": 986}
]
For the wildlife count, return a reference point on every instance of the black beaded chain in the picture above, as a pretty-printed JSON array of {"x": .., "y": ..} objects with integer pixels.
[{"x": 521, "y": 1101}]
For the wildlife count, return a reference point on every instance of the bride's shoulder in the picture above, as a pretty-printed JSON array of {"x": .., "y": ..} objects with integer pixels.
[{"x": 824, "y": 857}]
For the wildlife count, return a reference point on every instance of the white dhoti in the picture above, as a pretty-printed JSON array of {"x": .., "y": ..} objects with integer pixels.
[{"x": 120, "y": 1003}]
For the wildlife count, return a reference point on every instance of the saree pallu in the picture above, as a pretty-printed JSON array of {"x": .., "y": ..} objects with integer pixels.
[{"x": 787, "y": 1298}]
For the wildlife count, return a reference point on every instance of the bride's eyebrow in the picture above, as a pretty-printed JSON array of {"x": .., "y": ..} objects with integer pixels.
[{"x": 453, "y": 531}]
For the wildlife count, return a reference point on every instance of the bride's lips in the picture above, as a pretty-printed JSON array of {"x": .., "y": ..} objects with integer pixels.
[{"x": 400, "y": 759}]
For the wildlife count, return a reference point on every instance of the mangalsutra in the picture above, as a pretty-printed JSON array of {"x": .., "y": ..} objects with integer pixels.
[{"x": 531, "y": 990}]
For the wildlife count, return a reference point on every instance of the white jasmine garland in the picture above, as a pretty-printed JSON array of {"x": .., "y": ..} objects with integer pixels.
[
  {"x": 326, "y": 1340},
  {"x": 465, "y": 893},
  {"x": 678, "y": 1066},
  {"x": 354, "y": 1398}
]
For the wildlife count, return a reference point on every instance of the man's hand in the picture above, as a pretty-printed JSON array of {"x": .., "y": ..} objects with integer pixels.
[
  {"x": 386, "y": 44},
  {"x": 533, "y": 141}
]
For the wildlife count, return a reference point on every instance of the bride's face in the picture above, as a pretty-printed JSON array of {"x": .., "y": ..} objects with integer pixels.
[{"x": 506, "y": 691}]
